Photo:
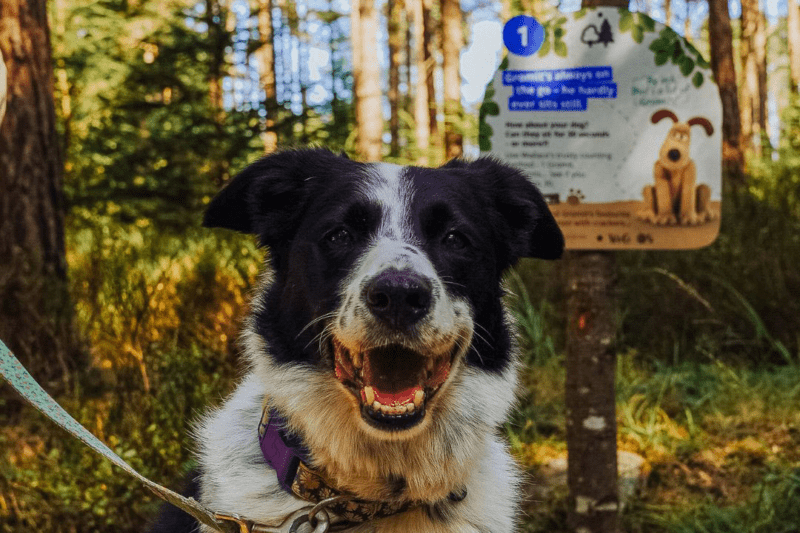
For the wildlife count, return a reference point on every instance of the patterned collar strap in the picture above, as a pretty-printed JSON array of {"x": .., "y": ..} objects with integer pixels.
[{"x": 285, "y": 453}]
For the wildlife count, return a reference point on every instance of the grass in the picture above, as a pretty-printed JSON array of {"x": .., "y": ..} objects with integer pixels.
[{"x": 721, "y": 440}]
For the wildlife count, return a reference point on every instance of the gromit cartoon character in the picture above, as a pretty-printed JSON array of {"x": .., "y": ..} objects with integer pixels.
[{"x": 676, "y": 198}]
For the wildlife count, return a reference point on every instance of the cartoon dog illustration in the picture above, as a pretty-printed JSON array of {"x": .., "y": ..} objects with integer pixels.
[{"x": 676, "y": 198}]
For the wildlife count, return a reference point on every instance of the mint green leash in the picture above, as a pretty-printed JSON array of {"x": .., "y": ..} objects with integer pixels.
[
  {"x": 19, "y": 378},
  {"x": 312, "y": 519}
]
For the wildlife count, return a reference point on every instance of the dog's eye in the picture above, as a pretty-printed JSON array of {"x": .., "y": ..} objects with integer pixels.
[
  {"x": 455, "y": 240},
  {"x": 339, "y": 237}
]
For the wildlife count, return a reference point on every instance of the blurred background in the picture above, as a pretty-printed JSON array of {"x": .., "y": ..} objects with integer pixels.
[{"x": 126, "y": 116}]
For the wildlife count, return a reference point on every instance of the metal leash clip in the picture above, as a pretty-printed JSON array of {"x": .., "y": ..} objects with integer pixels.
[{"x": 306, "y": 520}]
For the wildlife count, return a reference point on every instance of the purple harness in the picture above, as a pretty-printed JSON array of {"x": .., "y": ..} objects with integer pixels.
[{"x": 282, "y": 450}]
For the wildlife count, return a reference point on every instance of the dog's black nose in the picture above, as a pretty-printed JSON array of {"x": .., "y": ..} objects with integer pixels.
[
  {"x": 399, "y": 298},
  {"x": 674, "y": 155}
]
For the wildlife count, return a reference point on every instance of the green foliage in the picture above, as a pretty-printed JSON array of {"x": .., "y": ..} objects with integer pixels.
[
  {"x": 669, "y": 46},
  {"x": 160, "y": 313},
  {"x": 554, "y": 37}
]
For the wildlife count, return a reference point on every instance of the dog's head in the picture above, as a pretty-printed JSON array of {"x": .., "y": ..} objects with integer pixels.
[
  {"x": 674, "y": 153},
  {"x": 386, "y": 280}
]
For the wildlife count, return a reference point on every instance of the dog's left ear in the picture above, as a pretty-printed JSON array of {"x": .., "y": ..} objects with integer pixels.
[{"x": 533, "y": 232}]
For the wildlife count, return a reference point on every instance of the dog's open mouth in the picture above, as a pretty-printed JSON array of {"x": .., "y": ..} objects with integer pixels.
[{"x": 393, "y": 383}]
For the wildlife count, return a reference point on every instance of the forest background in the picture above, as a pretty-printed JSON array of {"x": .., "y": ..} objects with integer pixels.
[{"x": 128, "y": 311}]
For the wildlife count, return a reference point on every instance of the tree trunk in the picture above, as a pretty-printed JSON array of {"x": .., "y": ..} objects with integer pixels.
[
  {"x": 721, "y": 43},
  {"x": 452, "y": 43},
  {"x": 355, "y": 44},
  {"x": 266, "y": 63},
  {"x": 35, "y": 310},
  {"x": 748, "y": 86},
  {"x": 793, "y": 24},
  {"x": 421, "y": 112},
  {"x": 395, "y": 27},
  {"x": 215, "y": 18},
  {"x": 431, "y": 31},
  {"x": 368, "y": 89},
  {"x": 687, "y": 22},
  {"x": 760, "y": 46},
  {"x": 3, "y": 88}
]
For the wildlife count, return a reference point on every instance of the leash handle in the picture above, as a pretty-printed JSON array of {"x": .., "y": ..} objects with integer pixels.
[{"x": 19, "y": 378}]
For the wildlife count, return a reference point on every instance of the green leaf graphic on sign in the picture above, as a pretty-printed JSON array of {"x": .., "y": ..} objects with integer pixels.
[
  {"x": 669, "y": 46},
  {"x": 638, "y": 34},
  {"x": 686, "y": 65},
  {"x": 544, "y": 49},
  {"x": 625, "y": 20},
  {"x": 490, "y": 108},
  {"x": 560, "y": 48}
]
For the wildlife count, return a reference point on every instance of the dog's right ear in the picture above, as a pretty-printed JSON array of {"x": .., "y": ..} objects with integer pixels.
[{"x": 267, "y": 197}]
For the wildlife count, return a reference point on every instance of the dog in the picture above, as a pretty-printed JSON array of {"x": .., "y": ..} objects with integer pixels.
[
  {"x": 381, "y": 358},
  {"x": 676, "y": 198}
]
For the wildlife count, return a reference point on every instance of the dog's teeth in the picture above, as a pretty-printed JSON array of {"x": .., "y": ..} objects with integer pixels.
[
  {"x": 419, "y": 396},
  {"x": 410, "y": 408},
  {"x": 369, "y": 395},
  {"x": 385, "y": 409},
  {"x": 376, "y": 406}
]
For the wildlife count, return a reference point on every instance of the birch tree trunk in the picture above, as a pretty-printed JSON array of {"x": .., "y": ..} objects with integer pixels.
[
  {"x": 35, "y": 309},
  {"x": 452, "y": 43}
]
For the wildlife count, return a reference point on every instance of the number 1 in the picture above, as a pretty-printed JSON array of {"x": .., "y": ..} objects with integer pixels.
[{"x": 523, "y": 36}]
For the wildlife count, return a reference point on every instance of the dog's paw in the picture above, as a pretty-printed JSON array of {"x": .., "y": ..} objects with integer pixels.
[
  {"x": 692, "y": 219},
  {"x": 667, "y": 219}
]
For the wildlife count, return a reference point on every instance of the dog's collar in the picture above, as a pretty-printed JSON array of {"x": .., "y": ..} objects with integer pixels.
[{"x": 285, "y": 453}]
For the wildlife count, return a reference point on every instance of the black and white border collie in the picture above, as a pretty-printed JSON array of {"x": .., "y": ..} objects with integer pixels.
[{"x": 379, "y": 336}]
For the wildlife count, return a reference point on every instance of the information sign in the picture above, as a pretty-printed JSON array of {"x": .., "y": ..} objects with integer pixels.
[{"x": 616, "y": 119}]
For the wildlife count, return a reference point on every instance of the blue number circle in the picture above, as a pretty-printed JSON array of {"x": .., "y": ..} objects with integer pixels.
[{"x": 523, "y": 35}]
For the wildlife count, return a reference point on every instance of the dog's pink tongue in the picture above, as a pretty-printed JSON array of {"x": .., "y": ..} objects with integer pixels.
[{"x": 396, "y": 398}]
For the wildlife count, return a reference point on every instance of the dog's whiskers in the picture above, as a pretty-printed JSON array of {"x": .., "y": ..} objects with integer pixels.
[
  {"x": 314, "y": 321},
  {"x": 446, "y": 281}
]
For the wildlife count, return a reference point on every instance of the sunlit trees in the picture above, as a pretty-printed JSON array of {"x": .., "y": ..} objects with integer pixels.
[
  {"x": 722, "y": 64},
  {"x": 366, "y": 79},
  {"x": 793, "y": 29},
  {"x": 266, "y": 63},
  {"x": 452, "y": 43}
]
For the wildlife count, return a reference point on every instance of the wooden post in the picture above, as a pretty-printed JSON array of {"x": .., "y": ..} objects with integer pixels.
[
  {"x": 590, "y": 391},
  {"x": 3, "y": 87}
]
